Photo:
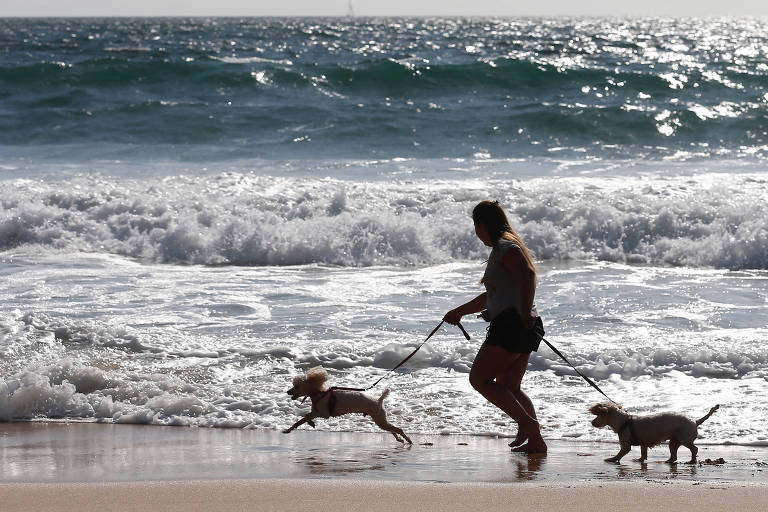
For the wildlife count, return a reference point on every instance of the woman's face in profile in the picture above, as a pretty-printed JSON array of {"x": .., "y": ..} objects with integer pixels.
[{"x": 482, "y": 234}]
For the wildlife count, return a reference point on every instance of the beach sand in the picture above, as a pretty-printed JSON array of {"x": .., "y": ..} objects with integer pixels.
[
  {"x": 294, "y": 495},
  {"x": 86, "y": 466}
]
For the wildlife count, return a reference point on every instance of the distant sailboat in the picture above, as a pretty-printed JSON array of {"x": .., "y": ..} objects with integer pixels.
[{"x": 350, "y": 10}]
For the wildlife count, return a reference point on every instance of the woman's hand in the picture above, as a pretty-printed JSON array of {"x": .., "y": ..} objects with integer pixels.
[
  {"x": 453, "y": 317},
  {"x": 529, "y": 320}
]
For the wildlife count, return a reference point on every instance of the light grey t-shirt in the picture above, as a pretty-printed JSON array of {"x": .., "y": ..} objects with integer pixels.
[{"x": 503, "y": 286}]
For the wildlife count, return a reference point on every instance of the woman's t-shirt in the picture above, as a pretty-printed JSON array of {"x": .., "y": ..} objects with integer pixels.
[{"x": 503, "y": 286}]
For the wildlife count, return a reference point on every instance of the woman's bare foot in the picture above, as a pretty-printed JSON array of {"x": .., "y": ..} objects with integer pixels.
[
  {"x": 532, "y": 447},
  {"x": 535, "y": 443},
  {"x": 519, "y": 439}
]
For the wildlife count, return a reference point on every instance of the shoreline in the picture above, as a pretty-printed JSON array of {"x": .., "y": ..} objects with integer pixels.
[
  {"x": 75, "y": 452},
  {"x": 49, "y": 467}
]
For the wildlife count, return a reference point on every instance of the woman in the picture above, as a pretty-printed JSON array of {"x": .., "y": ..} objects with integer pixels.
[{"x": 515, "y": 329}]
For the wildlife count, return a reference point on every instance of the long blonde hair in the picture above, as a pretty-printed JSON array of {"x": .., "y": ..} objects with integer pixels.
[{"x": 492, "y": 217}]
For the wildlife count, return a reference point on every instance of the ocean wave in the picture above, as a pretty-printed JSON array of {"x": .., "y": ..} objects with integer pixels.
[
  {"x": 525, "y": 79},
  {"x": 247, "y": 220},
  {"x": 694, "y": 359},
  {"x": 71, "y": 390},
  {"x": 115, "y": 392},
  {"x": 426, "y": 88},
  {"x": 116, "y": 72},
  {"x": 67, "y": 366}
]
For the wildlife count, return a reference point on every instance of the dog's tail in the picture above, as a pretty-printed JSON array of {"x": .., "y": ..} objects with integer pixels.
[
  {"x": 706, "y": 417},
  {"x": 384, "y": 395}
]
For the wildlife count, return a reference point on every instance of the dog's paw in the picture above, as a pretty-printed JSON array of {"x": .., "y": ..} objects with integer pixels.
[
  {"x": 287, "y": 431},
  {"x": 612, "y": 459},
  {"x": 311, "y": 423}
]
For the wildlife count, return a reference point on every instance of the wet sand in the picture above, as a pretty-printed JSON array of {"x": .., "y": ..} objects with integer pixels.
[
  {"x": 85, "y": 466},
  {"x": 89, "y": 452}
]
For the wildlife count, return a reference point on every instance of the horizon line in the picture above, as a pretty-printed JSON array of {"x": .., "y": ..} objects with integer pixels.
[{"x": 385, "y": 16}]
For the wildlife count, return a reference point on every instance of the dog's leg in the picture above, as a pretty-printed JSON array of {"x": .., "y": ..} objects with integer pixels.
[
  {"x": 381, "y": 421},
  {"x": 397, "y": 432},
  {"x": 622, "y": 452},
  {"x": 674, "y": 444},
  {"x": 400, "y": 431},
  {"x": 694, "y": 451},
  {"x": 643, "y": 454},
  {"x": 306, "y": 419}
]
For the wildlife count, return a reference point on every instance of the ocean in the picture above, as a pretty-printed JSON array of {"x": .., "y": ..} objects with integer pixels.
[{"x": 193, "y": 211}]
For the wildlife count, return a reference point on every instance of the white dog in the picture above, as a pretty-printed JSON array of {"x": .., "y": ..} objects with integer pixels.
[
  {"x": 648, "y": 431},
  {"x": 327, "y": 402}
]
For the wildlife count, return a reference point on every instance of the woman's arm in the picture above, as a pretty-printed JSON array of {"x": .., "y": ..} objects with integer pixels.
[
  {"x": 516, "y": 263},
  {"x": 474, "y": 306}
]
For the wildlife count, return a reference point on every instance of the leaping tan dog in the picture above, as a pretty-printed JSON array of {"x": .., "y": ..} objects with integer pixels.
[
  {"x": 327, "y": 402},
  {"x": 649, "y": 431}
]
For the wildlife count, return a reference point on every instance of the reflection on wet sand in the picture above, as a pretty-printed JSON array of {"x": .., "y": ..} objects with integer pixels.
[
  {"x": 529, "y": 467},
  {"x": 322, "y": 461},
  {"x": 47, "y": 452},
  {"x": 657, "y": 469}
]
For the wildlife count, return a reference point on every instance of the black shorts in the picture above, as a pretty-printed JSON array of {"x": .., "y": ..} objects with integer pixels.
[{"x": 508, "y": 332}]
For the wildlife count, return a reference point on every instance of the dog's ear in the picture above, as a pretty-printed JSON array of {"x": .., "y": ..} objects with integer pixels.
[
  {"x": 603, "y": 408},
  {"x": 600, "y": 409},
  {"x": 317, "y": 375}
]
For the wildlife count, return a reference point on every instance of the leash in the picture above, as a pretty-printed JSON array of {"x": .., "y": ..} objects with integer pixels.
[
  {"x": 401, "y": 363},
  {"x": 589, "y": 381},
  {"x": 466, "y": 335}
]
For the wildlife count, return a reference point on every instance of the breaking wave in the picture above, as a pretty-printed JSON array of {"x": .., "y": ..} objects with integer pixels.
[{"x": 233, "y": 219}]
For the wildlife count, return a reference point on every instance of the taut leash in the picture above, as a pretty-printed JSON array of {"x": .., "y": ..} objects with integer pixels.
[
  {"x": 466, "y": 335},
  {"x": 589, "y": 381},
  {"x": 401, "y": 363}
]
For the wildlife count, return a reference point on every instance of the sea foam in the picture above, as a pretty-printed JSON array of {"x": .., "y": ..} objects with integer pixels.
[{"x": 239, "y": 219}]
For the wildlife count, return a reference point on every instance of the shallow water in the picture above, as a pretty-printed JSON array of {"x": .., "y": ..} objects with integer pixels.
[
  {"x": 110, "y": 339},
  {"x": 34, "y": 452}
]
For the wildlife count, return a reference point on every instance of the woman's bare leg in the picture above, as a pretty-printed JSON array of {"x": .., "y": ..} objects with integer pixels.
[
  {"x": 512, "y": 379},
  {"x": 491, "y": 362}
]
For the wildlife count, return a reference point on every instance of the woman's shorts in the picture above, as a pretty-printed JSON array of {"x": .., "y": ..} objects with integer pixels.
[{"x": 508, "y": 332}]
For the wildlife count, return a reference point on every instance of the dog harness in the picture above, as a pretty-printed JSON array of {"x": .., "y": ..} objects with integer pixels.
[
  {"x": 331, "y": 400},
  {"x": 633, "y": 440}
]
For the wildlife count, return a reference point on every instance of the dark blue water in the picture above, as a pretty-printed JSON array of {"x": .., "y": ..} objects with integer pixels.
[{"x": 224, "y": 88}]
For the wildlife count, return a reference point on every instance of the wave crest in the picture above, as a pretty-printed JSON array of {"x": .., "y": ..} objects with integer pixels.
[{"x": 248, "y": 220}]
